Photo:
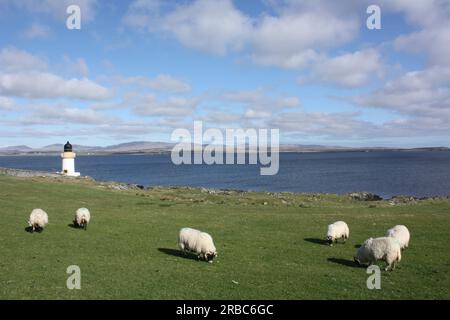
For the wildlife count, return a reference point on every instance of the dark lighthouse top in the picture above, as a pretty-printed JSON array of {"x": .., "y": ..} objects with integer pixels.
[{"x": 68, "y": 147}]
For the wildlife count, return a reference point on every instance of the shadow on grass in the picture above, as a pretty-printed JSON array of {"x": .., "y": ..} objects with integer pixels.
[
  {"x": 74, "y": 226},
  {"x": 345, "y": 262},
  {"x": 178, "y": 253},
  {"x": 30, "y": 230},
  {"x": 316, "y": 241},
  {"x": 357, "y": 246}
]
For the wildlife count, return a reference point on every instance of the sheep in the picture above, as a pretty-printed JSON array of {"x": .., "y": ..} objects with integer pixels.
[
  {"x": 196, "y": 241},
  {"x": 82, "y": 218},
  {"x": 337, "y": 230},
  {"x": 401, "y": 233},
  {"x": 38, "y": 220},
  {"x": 383, "y": 248}
]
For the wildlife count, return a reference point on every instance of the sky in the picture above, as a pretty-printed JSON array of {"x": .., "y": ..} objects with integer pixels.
[{"x": 137, "y": 70}]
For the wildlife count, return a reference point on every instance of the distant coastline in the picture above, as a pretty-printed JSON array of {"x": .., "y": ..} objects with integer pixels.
[
  {"x": 406, "y": 172},
  {"x": 121, "y": 186},
  {"x": 148, "y": 148}
]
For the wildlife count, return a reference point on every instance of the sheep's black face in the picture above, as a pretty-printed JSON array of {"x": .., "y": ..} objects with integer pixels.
[
  {"x": 210, "y": 256},
  {"x": 329, "y": 240}
]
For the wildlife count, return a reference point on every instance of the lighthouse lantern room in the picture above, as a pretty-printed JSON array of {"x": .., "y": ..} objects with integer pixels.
[{"x": 68, "y": 161}]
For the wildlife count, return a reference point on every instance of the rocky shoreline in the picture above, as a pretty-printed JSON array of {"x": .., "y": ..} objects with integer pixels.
[{"x": 358, "y": 196}]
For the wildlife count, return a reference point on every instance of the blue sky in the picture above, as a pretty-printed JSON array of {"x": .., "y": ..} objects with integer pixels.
[{"x": 137, "y": 70}]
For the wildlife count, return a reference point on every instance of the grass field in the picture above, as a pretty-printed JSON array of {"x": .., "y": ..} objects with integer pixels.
[{"x": 270, "y": 245}]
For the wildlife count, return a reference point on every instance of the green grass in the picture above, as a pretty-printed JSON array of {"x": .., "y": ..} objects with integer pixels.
[{"x": 271, "y": 251}]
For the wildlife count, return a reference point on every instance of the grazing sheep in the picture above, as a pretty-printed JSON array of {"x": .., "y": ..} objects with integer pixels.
[
  {"x": 38, "y": 220},
  {"x": 196, "y": 241},
  {"x": 82, "y": 218},
  {"x": 401, "y": 234},
  {"x": 384, "y": 248},
  {"x": 337, "y": 230}
]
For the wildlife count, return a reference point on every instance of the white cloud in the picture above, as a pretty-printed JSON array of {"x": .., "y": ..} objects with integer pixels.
[
  {"x": 294, "y": 39},
  {"x": 25, "y": 75},
  {"x": 424, "y": 13},
  {"x": 424, "y": 93},
  {"x": 55, "y": 8},
  {"x": 258, "y": 114},
  {"x": 258, "y": 100},
  {"x": 142, "y": 14},
  {"x": 149, "y": 105},
  {"x": 162, "y": 82},
  {"x": 351, "y": 69},
  {"x": 13, "y": 60},
  {"x": 347, "y": 126},
  {"x": 62, "y": 115},
  {"x": 322, "y": 124},
  {"x": 212, "y": 26},
  {"x": 36, "y": 31},
  {"x": 47, "y": 85},
  {"x": 222, "y": 117},
  {"x": 431, "y": 17},
  {"x": 7, "y": 103},
  {"x": 435, "y": 42},
  {"x": 76, "y": 67},
  {"x": 296, "y": 36}
]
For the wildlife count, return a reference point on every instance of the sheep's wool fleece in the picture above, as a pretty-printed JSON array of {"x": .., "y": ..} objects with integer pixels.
[
  {"x": 38, "y": 217},
  {"x": 83, "y": 213},
  {"x": 383, "y": 248},
  {"x": 196, "y": 241}
]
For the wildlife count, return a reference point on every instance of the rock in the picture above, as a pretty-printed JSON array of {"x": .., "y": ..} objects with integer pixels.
[
  {"x": 364, "y": 196},
  {"x": 403, "y": 199}
]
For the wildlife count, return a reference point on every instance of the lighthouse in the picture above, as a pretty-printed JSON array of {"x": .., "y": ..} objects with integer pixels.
[{"x": 68, "y": 161}]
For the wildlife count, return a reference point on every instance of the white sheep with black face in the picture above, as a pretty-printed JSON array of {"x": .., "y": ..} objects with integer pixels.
[
  {"x": 384, "y": 248},
  {"x": 401, "y": 234},
  {"x": 336, "y": 231},
  {"x": 38, "y": 220},
  {"x": 82, "y": 218},
  {"x": 198, "y": 242}
]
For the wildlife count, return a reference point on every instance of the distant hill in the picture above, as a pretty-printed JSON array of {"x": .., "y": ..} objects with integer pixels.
[
  {"x": 137, "y": 147},
  {"x": 15, "y": 149}
]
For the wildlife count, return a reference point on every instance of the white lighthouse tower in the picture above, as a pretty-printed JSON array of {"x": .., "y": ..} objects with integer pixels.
[{"x": 68, "y": 161}]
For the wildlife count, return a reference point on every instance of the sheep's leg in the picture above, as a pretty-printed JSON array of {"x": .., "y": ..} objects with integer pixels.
[
  {"x": 389, "y": 264},
  {"x": 182, "y": 248}
]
